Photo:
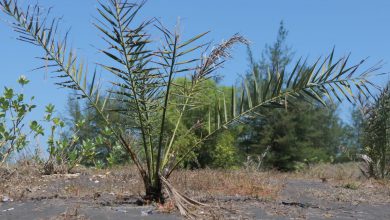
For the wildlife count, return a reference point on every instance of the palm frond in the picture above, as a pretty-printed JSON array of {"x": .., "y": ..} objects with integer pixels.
[
  {"x": 200, "y": 73},
  {"x": 37, "y": 29},
  {"x": 140, "y": 84},
  {"x": 318, "y": 83},
  {"x": 173, "y": 61}
]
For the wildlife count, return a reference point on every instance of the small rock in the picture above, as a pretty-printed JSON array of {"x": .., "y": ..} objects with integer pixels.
[
  {"x": 139, "y": 202},
  {"x": 6, "y": 199},
  {"x": 71, "y": 175},
  {"x": 121, "y": 210},
  {"x": 146, "y": 212},
  {"x": 99, "y": 176},
  {"x": 10, "y": 209},
  {"x": 96, "y": 195}
]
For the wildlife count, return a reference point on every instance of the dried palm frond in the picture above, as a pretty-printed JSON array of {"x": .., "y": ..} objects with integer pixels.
[{"x": 186, "y": 205}]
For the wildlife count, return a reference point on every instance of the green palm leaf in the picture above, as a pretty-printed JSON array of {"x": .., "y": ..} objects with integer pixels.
[{"x": 318, "y": 83}]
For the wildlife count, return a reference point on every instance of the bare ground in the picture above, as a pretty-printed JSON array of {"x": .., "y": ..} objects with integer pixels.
[{"x": 322, "y": 192}]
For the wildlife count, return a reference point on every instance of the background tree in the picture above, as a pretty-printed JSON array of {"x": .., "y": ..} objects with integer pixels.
[
  {"x": 277, "y": 56},
  {"x": 296, "y": 134},
  {"x": 219, "y": 151},
  {"x": 352, "y": 142}
]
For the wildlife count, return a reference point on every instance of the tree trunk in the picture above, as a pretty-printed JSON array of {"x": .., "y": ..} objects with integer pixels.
[{"x": 153, "y": 190}]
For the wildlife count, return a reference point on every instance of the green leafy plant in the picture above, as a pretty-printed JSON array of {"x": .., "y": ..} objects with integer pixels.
[
  {"x": 145, "y": 76},
  {"x": 225, "y": 154},
  {"x": 67, "y": 150},
  {"x": 95, "y": 126},
  {"x": 13, "y": 110},
  {"x": 115, "y": 154},
  {"x": 376, "y": 137},
  {"x": 63, "y": 155}
]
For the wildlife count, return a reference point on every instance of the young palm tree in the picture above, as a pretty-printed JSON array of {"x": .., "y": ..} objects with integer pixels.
[{"x": 144, "y": 74}]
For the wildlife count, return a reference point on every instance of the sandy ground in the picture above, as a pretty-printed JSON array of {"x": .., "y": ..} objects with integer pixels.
[{"x": 99, "y": 195}]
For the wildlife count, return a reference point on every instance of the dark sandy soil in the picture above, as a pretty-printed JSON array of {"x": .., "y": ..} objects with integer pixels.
[
  {"x": 309, "y": 199},
  {"x": 93, "y": 196}
]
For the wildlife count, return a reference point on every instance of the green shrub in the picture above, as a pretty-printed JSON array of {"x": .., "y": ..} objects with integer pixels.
[
  {"x": 225, "y": 153},
  {"x": 13, "y": 110}
]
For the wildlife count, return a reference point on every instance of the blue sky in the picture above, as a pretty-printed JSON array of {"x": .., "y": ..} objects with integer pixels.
[{"x": 315, "y": 26}]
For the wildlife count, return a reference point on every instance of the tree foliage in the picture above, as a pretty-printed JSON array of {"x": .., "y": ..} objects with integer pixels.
[{"x": 295, "y": 134}]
